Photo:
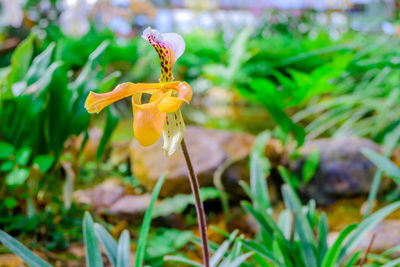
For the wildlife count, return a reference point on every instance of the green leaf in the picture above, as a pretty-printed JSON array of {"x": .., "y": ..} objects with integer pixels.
[
  {"x": 166, "y": 241},
  {"x": 219, "y": 254},
  {"x": 178, "y": 203},
  {"x": 383, "y": 164},
  {"x": 258, "y": 184},
  {"x": 262, "y": 251},
  {"x": 183, "y": 261},
  {"x": 365, "y": 226},
  {"x": 333, "y": 253},
  {"x": 111, "y": 123},
  {"x": 144, "y": 230},
  {"x": 7, "y": 166},
  {"x": 353, "y": 259},
  {"x": 43, "y": 162},
  {"x": 20, "y": 60},
  {"x": 239, "y": 260},
  {"x": 267, "y": 94},
  {"x": 123, "y": 250},
  {"x": 17, "y": 177},
  {"x": 6, "y": 150},
  {"x": 21, "y": 251},
  {"x": 289, "y": 178},
  {"x": 322, "y": 237},
  {"x": 109, "y": 244},
  {"x": 310, "y": 166},
  {"x": 10, "y": 202},
  {"x": 392, "y": 263},
  {"x": 23, "y": 155},
  {"x": 40, "y": 64},
  {"x": 109, "y": 82},
  {"x": 93, "y": 256},
  {"x": 302, "y": 225}
]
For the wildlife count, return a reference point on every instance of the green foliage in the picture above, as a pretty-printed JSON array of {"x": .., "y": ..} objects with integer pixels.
[
  {"x": 229, "y": 253},
  {"x": 41, "y": 107},
  {"x": 310, "y": 166},
  {"x": 93, "y": 256},
  {"x": 23, "y": 252},
  {"x": 299, "y": 237},
  {"x": 178, "y": 203},
  {"x": 165, "y": 241},
  {"x": 144, "y": 230},
  {"x": 266, "y": 93},
  {"x": 118, "y": 253}
]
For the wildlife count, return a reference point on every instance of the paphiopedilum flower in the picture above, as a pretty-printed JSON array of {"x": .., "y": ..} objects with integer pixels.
[{"x": 161, "y": 114}]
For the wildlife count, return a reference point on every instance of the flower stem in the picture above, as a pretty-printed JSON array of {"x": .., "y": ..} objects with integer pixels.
[{"x": 201, "y": 216}]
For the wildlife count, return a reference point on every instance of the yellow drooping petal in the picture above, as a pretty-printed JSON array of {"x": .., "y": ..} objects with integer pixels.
[
  {"x": 96, "y": 102},
  {"x": 148, "y": 120}
]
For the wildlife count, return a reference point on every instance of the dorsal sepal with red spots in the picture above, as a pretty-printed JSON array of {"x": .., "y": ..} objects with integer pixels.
[{"x": 169, "y": 47}]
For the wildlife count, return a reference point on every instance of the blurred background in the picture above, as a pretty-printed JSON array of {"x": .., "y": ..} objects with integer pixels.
[{"x": 311, "y": 87}]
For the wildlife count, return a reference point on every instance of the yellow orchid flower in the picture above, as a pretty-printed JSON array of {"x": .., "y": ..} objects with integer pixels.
[{"x": 161, "y": 115}]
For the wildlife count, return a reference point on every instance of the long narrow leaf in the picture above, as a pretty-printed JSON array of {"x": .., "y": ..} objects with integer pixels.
[
  {"x": 219, "y": 254},
  {"x": 23, "y": 252},
  {"x": 384, "y": 164},
  {"x": 302, "y": 226},
  {"x": 392, "y": 263},
  {"x": 259, "y": 249},
  {"x": 144, "y": 230},
  {"x": 239, "y": 260},
  {"x": 93, "y": 256},
  {"x": 123, "y": 250},
  {"x": 322, "y": 237},
  {"x": 108, "y": 242},
  {"x": 333, "y": 252},
  {"x": 182, "y": 260},
  {"x": 365, "y": 226},
  {"x": 353, "y": 259}
]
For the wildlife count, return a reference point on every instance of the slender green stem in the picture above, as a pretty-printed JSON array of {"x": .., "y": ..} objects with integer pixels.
[{"x": 201, "y": 216}]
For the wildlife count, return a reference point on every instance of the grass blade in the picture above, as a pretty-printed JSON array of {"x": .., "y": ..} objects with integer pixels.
[
  {"x": 93, "y": 256},
  {"x": 21, "y": 251},
  {"x": 392, "y": 263},
  {"x": 219, "y": 254},
  {"x": 239, "y": 260},
  {"x": 183, "y": 260},
  {"x": 144, "y": 230},
  {"x": 365, "y": 226},
  {"x": 302, "y": 226},
  {"x": 259, "y": 249},
  {"x": 322, "y": 238},
  {"x": 123, "y": 250},
  {"x": 109, "y": 244},
  {"x": 333, "y": 252},
  {"x": 383, "y": 164}
]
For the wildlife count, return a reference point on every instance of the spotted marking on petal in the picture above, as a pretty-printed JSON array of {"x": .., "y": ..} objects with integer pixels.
[
  {"x": 173, "y": 132},
  {"x": 169, "y": 47}
]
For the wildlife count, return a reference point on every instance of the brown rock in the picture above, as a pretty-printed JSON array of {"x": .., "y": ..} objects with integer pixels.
[
  {"x": 343, "y": 170},
  {"x": 102, "y": 196},
  {"x": 387, "y": 235},
  {"x": 130, "y": 205},
  {"x": 208, "y": 150}
]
